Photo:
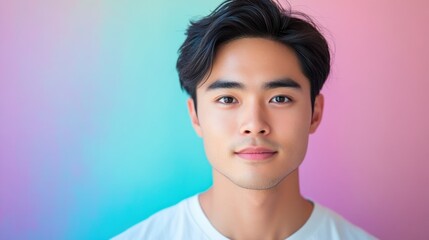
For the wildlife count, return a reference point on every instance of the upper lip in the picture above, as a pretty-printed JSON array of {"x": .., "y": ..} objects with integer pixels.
[{"x": 255, "y": 150}]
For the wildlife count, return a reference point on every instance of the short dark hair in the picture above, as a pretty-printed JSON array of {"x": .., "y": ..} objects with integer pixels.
[{"x": 235, "y": 19}]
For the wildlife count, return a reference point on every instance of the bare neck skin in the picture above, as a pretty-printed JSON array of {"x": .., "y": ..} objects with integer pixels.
[{"x": 239, "y": 213}]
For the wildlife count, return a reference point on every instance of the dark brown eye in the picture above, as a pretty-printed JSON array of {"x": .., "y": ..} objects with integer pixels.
[
  {"x": 280, "y": 99},
  {"x": 226, "y": 100}
]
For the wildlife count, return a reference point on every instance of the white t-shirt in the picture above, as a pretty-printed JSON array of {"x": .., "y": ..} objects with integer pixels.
[{"x": 186, "y": 220}]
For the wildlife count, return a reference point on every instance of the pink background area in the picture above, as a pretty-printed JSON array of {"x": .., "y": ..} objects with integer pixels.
[{"x": 369, "y": 159}]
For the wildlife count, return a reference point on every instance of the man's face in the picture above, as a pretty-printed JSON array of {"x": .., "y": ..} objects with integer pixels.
[{"x": 254, "y": 112}]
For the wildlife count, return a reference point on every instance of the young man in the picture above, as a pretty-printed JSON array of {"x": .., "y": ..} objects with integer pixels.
[{"x": 254, "y": 72}]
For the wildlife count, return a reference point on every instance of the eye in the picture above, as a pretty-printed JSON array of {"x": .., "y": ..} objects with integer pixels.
[
  {"x": 280, "y": 99},
  {"x": 227, "y": 100}
]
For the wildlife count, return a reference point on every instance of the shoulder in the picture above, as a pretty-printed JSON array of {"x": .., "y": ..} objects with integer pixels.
[
  {"x": 326, "y": 224},
  {"x": 161, "y": 225}
]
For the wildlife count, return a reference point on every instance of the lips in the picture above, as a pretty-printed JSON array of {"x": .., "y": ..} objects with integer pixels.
[{"x": 256, "y": 153}]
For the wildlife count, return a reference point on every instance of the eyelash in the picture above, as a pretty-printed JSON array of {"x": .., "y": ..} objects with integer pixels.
[{"x": 235, "y": 100}]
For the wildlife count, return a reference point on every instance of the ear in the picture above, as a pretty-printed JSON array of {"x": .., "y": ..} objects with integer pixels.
[
  {"x": 194, "y": 117},
  {"x": 317, "y": 113}
]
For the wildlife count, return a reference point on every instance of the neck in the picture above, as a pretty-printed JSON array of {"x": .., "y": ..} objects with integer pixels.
[{"x": 240, "y": 213}]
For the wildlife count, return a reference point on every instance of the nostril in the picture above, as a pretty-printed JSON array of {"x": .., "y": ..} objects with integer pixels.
[{"x": 248, "y": 131}]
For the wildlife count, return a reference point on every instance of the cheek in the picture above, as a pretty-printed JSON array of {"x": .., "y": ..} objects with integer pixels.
[
  {"x": 217, "y": 123},
  {"x": 218, "y": 129},
  {"x": 291, "y": 121},
  {"x": 292, "y": 131}
]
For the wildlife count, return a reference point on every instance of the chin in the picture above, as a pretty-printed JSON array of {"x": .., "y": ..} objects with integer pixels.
[{"x": 258, "y": 183}]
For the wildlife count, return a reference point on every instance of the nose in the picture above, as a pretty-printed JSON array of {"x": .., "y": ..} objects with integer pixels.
[{"x": 254, "y": 121}]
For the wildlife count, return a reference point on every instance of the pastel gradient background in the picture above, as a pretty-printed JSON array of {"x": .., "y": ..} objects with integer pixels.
[{"x": 95, "y": 136}]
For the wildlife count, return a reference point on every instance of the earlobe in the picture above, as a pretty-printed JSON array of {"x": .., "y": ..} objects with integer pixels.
[
  {"x": 194, "y": 117},
  {"x": 318, "y": 113}
]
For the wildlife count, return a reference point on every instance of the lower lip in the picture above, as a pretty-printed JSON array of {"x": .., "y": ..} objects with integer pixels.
[{"x": 256, "y": 156}]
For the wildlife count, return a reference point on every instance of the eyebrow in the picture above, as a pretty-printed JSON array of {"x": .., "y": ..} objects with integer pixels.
[
  {"x": 279, "y": 83},
  {"x": 284, "y": 82},
  {"x": 218, "y": 84}
]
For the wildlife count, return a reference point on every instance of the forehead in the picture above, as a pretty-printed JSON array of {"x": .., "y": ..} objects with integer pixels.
[{"x": 255, "y": 61}]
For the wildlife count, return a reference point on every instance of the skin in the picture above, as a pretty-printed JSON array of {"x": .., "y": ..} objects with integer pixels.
[{"x": 252, "y": 199}]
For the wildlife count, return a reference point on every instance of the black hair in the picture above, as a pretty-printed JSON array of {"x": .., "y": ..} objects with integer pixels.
[{"x": 235, "y": 19}]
